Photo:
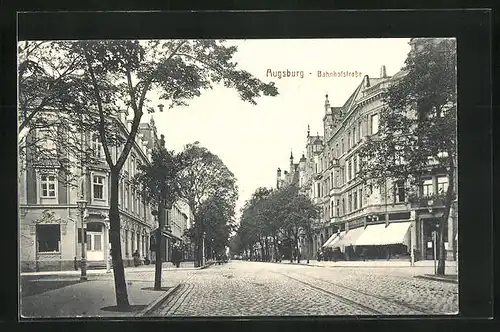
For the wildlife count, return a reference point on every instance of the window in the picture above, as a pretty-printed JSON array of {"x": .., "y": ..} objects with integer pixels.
[
  {"x": 331, "y": 207},
  {"x": 355, "y": 165},
  {"x": 355, "y": 200},
  {"x": 132, "y": 166},
  {"x": 96, "y": 146},
  {"x": 374, "y": 122},
  {"x": 349, "y": 203},
  {"x": 427, "y": 187},
  {"x": 349, "y": 171},
  {"x": 318, "y": 191},
  {"x": 48, "y": 238},
  {"x": 349, "y": 140},
  {"x": 126, "y": 243},
  {"x": 47, "y": 143},
  {"x": 442, "y": 184},
  {"x": 360, "y": 197},
  {"x": 125, "y": 198},
  {"x": 338, "y": 207},
  {"x": 359, "y": 130},
  {"x": 120, "y": 194},
  {"x": 98, "y": 186},
  {"x": 354, "y": 138},
  {"x": 132, "y": 206},
  {"x": 337, "y": 150},
  {"x": 400, "y": 192},
  {"x": 342, "y": 147},
  {"x": 48, "y": 186}
]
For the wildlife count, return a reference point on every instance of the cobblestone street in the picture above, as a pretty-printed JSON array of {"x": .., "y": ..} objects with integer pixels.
[{"x": 242, "y": 288}]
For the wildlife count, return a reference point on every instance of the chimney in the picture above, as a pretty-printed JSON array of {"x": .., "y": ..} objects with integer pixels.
[{"x": 383, "y": 73}]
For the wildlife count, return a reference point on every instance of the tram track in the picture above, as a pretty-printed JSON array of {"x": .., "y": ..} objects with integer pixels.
[{"x": 394, "y": 306}]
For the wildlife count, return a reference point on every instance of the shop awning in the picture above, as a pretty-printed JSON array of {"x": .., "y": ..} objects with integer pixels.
[
  {"x": 330, "y": 239},
  {"x": 333, "y": 239},
  {"x": 396, "y": 233},
  {"x": 350, "y": 237},
  {"x": 372, "y": 236}
]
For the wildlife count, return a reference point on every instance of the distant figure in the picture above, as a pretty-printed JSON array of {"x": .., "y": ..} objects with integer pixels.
[
  {"x": 137, "y": 258},
  {"x": 364, "y": 253},
  {"x": 176, "y": 256}
]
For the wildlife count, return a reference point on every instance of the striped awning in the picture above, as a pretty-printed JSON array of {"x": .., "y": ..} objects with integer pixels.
[
  {"x": 333, "y": 240},
  {"x": 378, "y": 235},
  {"x": 350, "y": 237},
  {"x": 330, "y": 239}
]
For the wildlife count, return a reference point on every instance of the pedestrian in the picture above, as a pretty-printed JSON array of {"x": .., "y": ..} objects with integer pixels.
[
  {"x": 363, "y": 253},
  {"x": 137, "y": 258}
]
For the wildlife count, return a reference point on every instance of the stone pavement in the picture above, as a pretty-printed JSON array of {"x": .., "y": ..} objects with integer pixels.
[
  {"x": 242, "y": 288},
  {"x": 63, "y": 295}
]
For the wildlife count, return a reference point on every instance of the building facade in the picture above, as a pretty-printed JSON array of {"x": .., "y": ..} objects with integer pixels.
[
  {"x": 50, "y": 222},
  {"x": 359, "y": 220}
]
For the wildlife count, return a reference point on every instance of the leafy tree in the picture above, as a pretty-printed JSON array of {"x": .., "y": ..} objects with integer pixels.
[
  {"x": 159, "y": 182},
  {"x": 417, "y": 130},
  {"x": 282, "y": 213},
  {"x": 216, "y": 215},
  {"x": 112, "y": 75},
  {"x": 205, "y": 177}
]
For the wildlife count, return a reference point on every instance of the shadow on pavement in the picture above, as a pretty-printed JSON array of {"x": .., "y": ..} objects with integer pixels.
[{"x": 32, "y": 287}]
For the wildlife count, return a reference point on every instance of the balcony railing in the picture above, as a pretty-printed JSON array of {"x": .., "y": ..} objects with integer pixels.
[{"x": 421, "y": 202}]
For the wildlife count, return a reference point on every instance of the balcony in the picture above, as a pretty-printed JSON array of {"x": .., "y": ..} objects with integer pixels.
[{"x": 424, "y": 202}]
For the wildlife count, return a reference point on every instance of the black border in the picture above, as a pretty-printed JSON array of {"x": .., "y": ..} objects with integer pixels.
[{"x": 472, "y": 29}]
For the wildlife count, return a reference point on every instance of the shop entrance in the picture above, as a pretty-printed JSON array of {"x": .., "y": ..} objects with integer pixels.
[{"x": 95, "y": 241}]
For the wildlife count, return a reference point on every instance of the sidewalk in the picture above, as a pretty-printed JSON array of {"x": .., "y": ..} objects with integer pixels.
[
  {"x": 167, "y": 266},
  {"x": 61, "y": 294},
  {"x": 395, "y": 266},
  {"x": 370, "y": 263}
]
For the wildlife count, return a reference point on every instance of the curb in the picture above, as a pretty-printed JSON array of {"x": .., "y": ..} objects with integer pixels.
[
  {"x": 205, "y": 266},
  {"x": 451, "y": 281},
  {"x": 156, "y": 303}
]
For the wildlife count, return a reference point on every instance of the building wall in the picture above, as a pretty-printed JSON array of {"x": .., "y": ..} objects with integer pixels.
[
  {"x": 136, "y": 218},
  {"x": 332, "y": 163}
]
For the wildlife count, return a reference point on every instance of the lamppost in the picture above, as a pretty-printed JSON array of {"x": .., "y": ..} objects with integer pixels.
[
  {"x": 82, "y": 204},
  {"x": 430, "y": 204},
  {"x": 108, "y": 261}
]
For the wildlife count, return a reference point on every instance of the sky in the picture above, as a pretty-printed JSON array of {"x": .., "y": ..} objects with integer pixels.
[{"x": 254, "y": 140}]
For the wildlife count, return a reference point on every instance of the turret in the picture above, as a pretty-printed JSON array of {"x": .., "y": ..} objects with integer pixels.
[
  {"x": 383, "y": 73},
  {"x": 278, "y": 178}
]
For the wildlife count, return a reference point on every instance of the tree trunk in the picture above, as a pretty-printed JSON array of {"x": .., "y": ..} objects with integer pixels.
[
  {"x": 116, "y": 252},
  {"x": 448, "y": 202},
  {"x": 159, "y": 238}
]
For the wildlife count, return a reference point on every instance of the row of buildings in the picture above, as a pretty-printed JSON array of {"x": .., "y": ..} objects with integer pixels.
[
  {"x": 376, "y": 220},
  {"x": 50, "y": 221}
]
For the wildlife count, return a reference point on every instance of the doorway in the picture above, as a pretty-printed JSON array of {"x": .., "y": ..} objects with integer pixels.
[{"x": 95, "y": 242}]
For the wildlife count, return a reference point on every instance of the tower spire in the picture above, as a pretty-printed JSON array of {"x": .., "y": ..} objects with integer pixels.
[{"x": 308, "y": 130}]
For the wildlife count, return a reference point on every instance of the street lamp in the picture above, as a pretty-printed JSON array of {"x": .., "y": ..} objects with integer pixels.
[
  {"x": 82, "y": 204},
  {"x": 108, "y": 261}
]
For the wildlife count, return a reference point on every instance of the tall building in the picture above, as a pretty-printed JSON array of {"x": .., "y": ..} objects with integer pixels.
[
  {"x": 49, "y": 220},
  {"x": 354, "y": 216}
]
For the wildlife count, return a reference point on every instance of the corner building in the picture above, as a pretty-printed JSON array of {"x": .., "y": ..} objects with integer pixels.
[
  {"x": 359, "y": 220},
  {"x": 50, "y": 222}
]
